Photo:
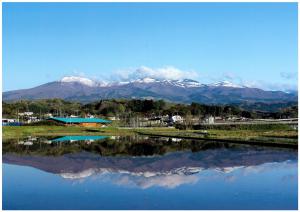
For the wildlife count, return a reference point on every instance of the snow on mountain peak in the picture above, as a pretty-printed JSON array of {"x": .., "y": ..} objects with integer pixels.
[
  {"x": 145, "y": 80},
  {"x": 191, "y": 83},
  {"x": 226, "y": 84},
  {"x": 181, "y": 83},
  {"x": 184, "y": 83}
]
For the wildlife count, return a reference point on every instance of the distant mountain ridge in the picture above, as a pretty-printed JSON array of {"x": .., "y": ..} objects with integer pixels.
[{"x": 183, "y": 91}]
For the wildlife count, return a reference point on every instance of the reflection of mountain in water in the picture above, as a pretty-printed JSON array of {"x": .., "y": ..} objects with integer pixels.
[{"x": 168, "y": 170}]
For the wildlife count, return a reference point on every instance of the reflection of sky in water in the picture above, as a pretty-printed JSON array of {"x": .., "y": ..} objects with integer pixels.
[
  {"x": 144, "y": 182},
  {"x": 173, "y": 179},
  {"x": 216, "y": 176},
  {"x": 265, "y": 186}
]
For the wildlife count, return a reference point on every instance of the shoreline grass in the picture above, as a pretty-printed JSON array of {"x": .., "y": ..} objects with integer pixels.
[
  {"x": 268, "y": 137},
  {"x": 23, "y": 131}
]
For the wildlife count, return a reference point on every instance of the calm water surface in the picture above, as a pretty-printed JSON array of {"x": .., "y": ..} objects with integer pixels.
[{"x": 146, "y": 173}]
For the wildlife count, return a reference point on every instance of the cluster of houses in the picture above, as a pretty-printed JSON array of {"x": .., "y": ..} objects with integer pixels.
[
  {"x": 162, "y": 121},
  {"x": 90, "y": 120},
  {"x": 29, "y": 117},
  {"x": 24, "y": 117}
]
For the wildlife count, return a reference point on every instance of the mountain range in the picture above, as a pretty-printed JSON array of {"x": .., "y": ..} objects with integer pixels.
[
  {"x": 184, "y": 91},
  {"x": 167, "y": 170}
]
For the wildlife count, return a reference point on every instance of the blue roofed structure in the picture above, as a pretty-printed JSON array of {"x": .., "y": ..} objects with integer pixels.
[
  {"x": 81, "y": 121},
  {"x": 80, "y": 138}
]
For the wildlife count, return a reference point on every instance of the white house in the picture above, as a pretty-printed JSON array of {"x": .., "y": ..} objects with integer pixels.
[
  {"x": 209, "y": 120},
  {"x": 33, "y": 119},
  {"x": 176, "y": 119},
  {"x": 26, "y": 114},
  {"x": 6, "y": 121}
]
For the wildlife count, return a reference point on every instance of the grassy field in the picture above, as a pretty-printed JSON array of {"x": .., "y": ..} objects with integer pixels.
[
  {"x": 23, "y": 131},
  {"x": 279, "y": 135}
]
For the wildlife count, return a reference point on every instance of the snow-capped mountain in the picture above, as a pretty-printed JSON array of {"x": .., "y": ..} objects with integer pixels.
[
  {"x": 184, "y": 90},
  {"x": 145, "y": 174},
  {"x": 174, "y": 168},
  {"x": 180, "y": 171},
  {"x": 184, "y": 83},
  {"x": 226, "y": 84},
  {"x": 146, "y": 80}
]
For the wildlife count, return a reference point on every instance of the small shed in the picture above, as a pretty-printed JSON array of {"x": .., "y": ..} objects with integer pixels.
[{"x": 86, "y": 122}]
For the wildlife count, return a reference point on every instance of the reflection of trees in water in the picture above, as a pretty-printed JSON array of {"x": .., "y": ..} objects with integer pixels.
[
  {"x": 124, "y": 158},
  {"x": 198, "y": 146},
  {"x": 126, "y": 145},
  {"x": 145, "y": 149}
]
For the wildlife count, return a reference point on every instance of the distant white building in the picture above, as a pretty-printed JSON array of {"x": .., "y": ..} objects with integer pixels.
[
  {"x": 113, "y": 118},
  {"x": 6, "y": 121},
  {"x": 176, "y": 119},
  {"x": 90, "y": 116},
  {"x": 48, "y": 115},
  {"x": 26, "y": 114},
  {"x": 219, "y": 118},
  {"x": 209, "y": 120},
  {"x": 176, "y": 139},
  {"x": 165, "y": 118},
  {"x": 33, "y": 119}
]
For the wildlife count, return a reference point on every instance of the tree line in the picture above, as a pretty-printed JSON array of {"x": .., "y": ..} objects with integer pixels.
[{"x": 135, "y": 107}]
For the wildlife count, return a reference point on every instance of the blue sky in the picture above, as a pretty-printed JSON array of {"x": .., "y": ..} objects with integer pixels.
[{"x": 249, "y": 43}]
